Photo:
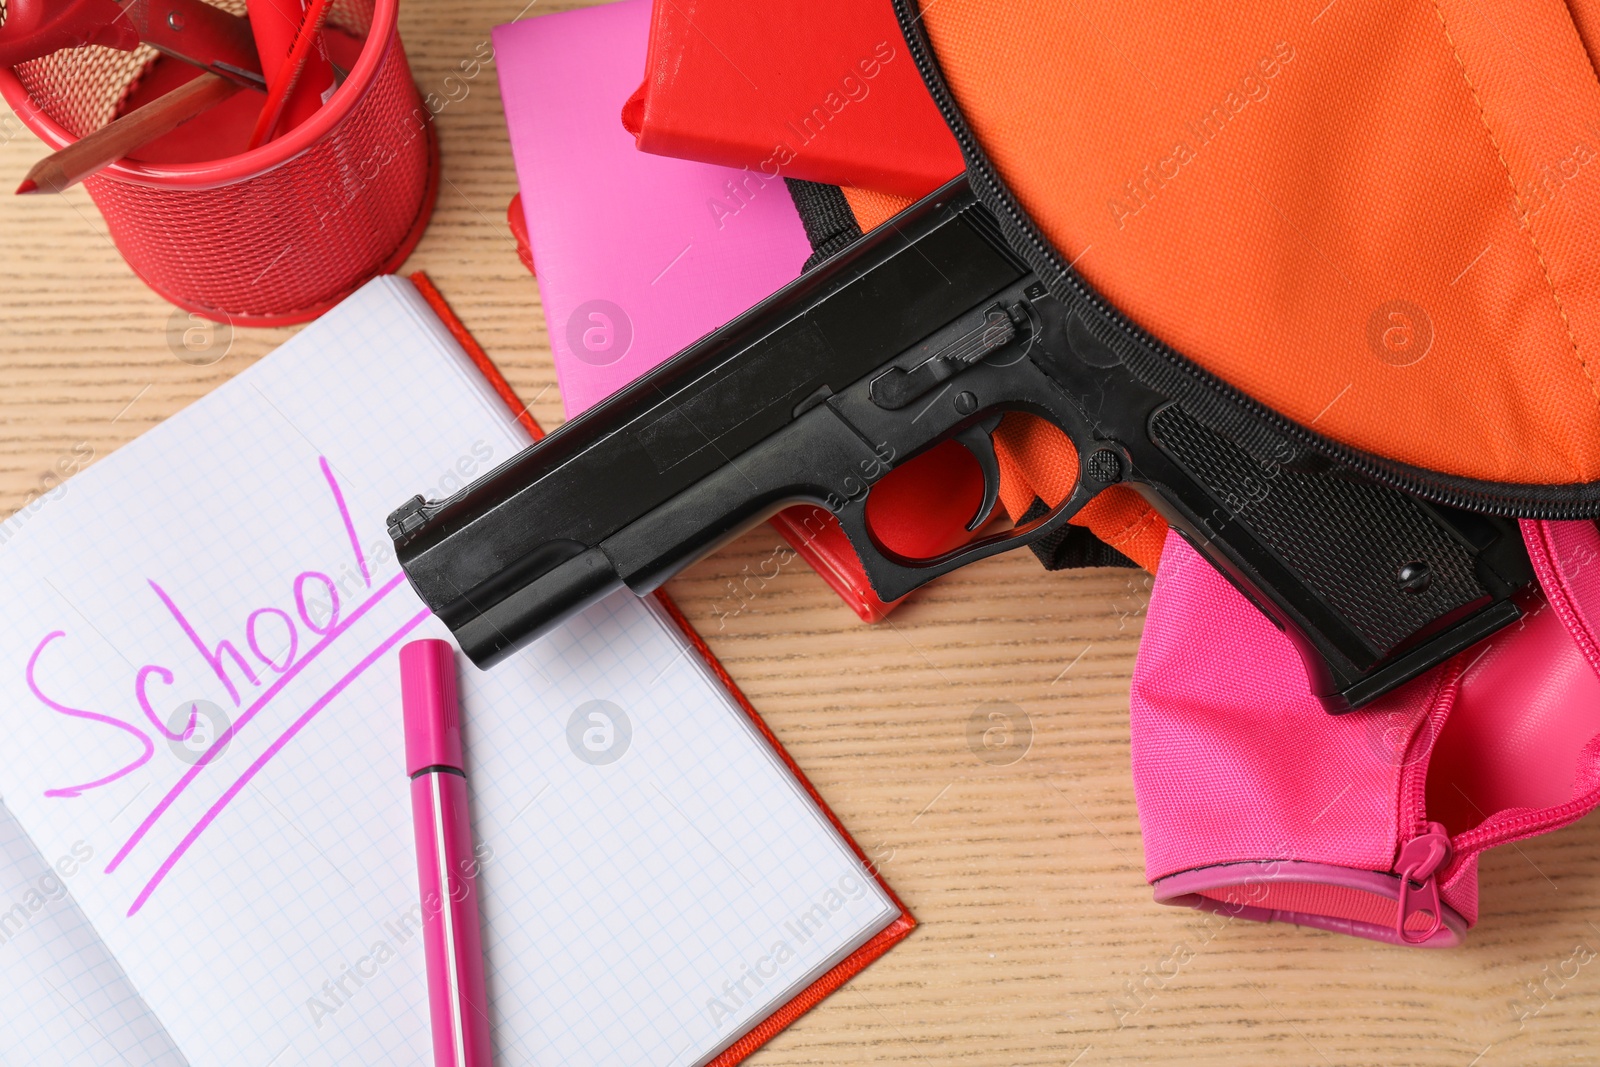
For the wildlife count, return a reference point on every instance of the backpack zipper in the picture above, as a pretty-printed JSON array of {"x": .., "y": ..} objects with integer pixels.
[
  {"x": 1478, "y": 839},
  {"x": 1504, "y": 500},
  {"x": 1426, "y": 869},
  {"x": 1425, "y": 847},
  {"x": 1419, "y": 753},
  {"x": 1469, "y": 843},
  {"x": 1420, "y": 861},
  {"x": 1559, "y": 599}
]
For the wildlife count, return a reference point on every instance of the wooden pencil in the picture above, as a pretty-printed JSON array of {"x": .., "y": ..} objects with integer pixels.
[{"x": 98, "y": 150}]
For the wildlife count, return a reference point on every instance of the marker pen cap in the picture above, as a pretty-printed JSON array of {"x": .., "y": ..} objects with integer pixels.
[{"x": 428, "y": 699}]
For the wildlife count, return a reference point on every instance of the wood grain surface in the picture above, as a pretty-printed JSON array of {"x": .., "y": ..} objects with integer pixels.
[{"x": 1039, "y": 942}]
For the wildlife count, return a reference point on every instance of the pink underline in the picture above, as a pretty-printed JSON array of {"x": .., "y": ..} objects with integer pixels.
[
  {"x": 272, "y": 750},
  {"x": 249, "y": 713}
]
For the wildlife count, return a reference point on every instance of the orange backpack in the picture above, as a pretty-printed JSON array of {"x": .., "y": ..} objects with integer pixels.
[{"x": 1378, "y": 222}]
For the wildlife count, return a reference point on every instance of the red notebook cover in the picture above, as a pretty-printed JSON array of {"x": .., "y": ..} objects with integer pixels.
[
  {"x": 818, "y": 89},
  {"x": 880, "y": 942}
]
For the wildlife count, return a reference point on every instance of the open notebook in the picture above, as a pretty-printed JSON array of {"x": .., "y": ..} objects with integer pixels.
[{"x": 656, "y": 879}]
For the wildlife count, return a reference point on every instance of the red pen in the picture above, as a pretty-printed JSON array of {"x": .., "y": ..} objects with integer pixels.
[
  {"x": 446, "y": 866},
  {"x": 294, "y": 58}
]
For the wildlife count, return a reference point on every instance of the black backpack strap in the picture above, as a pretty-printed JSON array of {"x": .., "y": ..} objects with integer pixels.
[{"x": 826, "y": 215}]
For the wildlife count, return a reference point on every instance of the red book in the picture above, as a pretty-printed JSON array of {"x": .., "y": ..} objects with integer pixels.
[{"x": 818, "y": 89}]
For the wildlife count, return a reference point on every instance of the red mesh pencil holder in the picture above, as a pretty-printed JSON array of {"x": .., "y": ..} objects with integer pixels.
[{"x": 264, "y": 237}]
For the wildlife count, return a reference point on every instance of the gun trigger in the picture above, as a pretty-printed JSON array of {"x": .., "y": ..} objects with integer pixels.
[{"x": 976, "y": 439}]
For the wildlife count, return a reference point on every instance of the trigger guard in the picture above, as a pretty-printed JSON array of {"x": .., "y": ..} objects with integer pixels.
[
  {"x": 892, "y": 578},
  {"x": 976, "y": 440}
]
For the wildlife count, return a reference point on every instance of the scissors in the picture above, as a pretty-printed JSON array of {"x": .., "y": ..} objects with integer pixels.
[{"x": 190, "y": 30}]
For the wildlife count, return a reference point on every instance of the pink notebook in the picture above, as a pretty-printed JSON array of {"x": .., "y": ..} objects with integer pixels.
[{"x": 636, "y": 255}]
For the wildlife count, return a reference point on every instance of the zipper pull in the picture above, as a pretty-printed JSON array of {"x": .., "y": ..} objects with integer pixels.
[{"x": 1420, "y": 859}]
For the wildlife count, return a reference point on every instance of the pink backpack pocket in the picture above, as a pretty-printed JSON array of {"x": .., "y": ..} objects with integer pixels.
[{"x": 1256, "y": 803}]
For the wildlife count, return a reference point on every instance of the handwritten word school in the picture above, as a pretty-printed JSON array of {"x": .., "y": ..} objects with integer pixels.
[{"x": 273, "y": 638}]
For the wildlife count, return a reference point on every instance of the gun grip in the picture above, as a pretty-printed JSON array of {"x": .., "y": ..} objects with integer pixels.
[{"x": 1374, "y": 585}]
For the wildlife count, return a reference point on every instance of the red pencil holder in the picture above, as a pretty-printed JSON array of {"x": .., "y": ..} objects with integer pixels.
[{"x": 275, "y": 235}]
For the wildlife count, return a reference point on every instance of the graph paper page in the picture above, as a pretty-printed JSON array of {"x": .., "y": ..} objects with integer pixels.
[
  {"x": 67, "y": 1002},
  {"x": 198, "y": 676}
]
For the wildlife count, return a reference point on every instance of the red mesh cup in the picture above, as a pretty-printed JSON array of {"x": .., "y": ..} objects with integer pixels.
[{"x": 267, "y": 237}]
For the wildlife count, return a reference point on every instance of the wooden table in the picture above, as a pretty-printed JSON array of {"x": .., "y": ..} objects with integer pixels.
[{"x": 1027, "y": 878}]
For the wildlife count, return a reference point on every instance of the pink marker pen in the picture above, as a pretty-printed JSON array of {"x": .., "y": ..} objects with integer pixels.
[{"x": 446, "y": 865}]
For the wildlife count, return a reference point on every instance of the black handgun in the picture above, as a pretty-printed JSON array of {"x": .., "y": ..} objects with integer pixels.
[{"x": 926, "y": 329}]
